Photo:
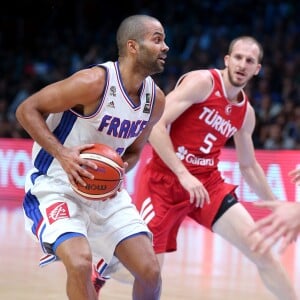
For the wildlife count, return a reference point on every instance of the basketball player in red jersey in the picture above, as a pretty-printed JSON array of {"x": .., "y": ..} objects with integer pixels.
[{"x": 206, "y": 108}]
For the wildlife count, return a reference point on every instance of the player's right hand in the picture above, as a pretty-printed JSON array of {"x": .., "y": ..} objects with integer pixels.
[
  {"x": 198, "y": 193},
  {"x": 75, "y": 166}
]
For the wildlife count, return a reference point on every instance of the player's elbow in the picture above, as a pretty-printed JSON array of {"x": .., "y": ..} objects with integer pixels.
[
  {"x": 247, "y": 167},
  {"x": 20, "y": 112}
]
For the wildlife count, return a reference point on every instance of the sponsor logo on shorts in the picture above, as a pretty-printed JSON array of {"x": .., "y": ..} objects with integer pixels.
[{"x": 57, "y": 211}]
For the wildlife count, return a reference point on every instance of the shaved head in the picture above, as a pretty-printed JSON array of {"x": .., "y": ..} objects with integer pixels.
[{"x": 132, "y": 28}]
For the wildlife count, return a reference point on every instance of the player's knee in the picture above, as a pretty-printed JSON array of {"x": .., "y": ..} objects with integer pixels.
[
  {"x": 264, "y": 260},
  {"x": 81, "y": 265},
  {"x": 151, "y": 276},
  {"x": 123, "y": 275}
]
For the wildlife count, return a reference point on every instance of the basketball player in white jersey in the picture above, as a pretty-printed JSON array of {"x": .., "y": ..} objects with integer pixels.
[{"x": 115, "y": 103}]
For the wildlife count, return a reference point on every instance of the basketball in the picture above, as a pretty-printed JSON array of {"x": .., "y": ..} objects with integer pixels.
[{"x": 108, "y": 177}]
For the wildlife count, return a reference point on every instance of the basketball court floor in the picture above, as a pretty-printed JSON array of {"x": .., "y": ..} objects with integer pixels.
[{"x": 204, "y": 267}]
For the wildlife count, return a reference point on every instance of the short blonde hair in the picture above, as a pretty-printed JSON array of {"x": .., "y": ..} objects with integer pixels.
[{"x": 247, "y": 38}]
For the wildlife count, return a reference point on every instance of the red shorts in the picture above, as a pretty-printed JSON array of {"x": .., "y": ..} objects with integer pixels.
[{"x": 163, "y": 203}]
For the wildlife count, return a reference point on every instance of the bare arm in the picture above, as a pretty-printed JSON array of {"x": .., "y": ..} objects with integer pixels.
[
  {"x": 250, "y": 168},
  {"x": 192, "y": 89},
  {"x": 83, "y": 88}
]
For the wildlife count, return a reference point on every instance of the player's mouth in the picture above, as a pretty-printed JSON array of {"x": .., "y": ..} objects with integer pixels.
[
  {"x": 240, "y": 75},
  {"x": 162, "y": 59}
]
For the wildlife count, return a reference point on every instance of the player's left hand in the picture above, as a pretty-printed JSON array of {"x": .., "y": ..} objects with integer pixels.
[{"x": 279, "y": 224}]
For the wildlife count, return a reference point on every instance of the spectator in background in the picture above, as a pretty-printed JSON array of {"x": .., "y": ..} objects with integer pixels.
[
  {"x": 266, "y": 111},
  {"x": 296, "y": 127},
  {"x": 58, "y": 46},
  {"x": 3, "y": 108},
  {"x": 274, "y": 139},
  {"x": 9, "y": 128},
  {"x": 5, "y": 126},
  {"x": 25, "y": 89}
]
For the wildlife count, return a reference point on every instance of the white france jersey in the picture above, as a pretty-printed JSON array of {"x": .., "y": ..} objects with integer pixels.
[{"x": 117, "y": 122}]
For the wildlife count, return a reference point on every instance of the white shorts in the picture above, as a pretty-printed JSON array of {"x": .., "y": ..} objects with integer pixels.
[{"x": 52, "y": 208}]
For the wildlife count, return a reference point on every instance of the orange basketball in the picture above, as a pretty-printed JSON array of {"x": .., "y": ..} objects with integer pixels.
[{"x": 107, "y": 178}]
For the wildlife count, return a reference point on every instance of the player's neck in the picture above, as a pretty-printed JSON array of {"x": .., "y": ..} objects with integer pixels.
[
  {"x": 234, "y": 93},
  {"x": 131, "y": 79}
]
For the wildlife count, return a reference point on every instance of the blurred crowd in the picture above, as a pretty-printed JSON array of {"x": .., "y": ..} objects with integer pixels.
[{"x": 45, "y": 41}]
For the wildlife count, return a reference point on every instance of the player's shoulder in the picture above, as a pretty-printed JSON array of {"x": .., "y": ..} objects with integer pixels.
[
  {"x": 196, "y": 77},
  {"x": 250, "y": 109},
  {"x": 90, "y": 77},
  {"x": 160, "y": 98},
  {"x": 195, "y": 85},
  {"x": 198, "y": 74},
  {"x": 159, "y": 92},
  {"x": 249, "y": 118},
  {"x": 93, "y": 73}
]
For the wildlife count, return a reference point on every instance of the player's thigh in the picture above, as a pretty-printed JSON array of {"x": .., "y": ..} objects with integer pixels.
[
  {"x": 136, "y": 254},
  {"x": 234, "y": 226}
]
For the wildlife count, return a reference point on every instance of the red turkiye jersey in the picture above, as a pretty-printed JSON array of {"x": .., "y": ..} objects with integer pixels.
[{"x": 199, "y": 134}]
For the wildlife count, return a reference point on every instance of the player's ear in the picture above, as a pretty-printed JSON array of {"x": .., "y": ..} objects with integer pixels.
[
  {"x": 132, "y": 46},
  {"x": 258, "y": 68},
  {"x": 226, "y": 59}
]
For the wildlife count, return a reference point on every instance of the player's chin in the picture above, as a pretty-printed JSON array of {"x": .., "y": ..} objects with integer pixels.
[
  {"x": 162, "y": 62},
  {"x": 157, "y": 68},
  {"x": 239, "y": 83},
  {"x": 161, "y": 65}
]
